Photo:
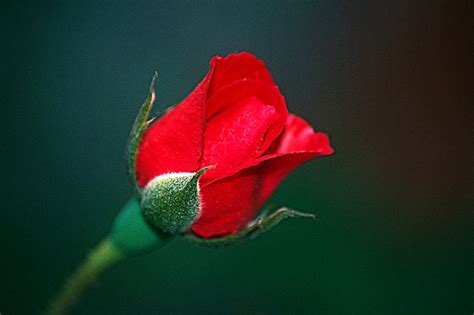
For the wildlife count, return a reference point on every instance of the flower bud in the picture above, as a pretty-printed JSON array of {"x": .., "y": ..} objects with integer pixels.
[{"x": 171, "y": 202}]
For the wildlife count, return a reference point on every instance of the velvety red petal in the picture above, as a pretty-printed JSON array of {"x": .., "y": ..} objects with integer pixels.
[
  {"x": 237, "y": 134},
  {"x": 275, "y": 169},
  {"x": 244, "y": 119},
  {"x": 226, "y": 206},
  {"x": 298, "y": 143},
  {"x": 174, "y": 143},
  {"x": 235, "y": 67},
  {"x": 297, "y": 136},
  {"x": 230, "y": 203},
  {"x": 266, "y": 92}
]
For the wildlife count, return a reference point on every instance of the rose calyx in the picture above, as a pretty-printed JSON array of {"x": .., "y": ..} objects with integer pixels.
[{"x": 171, "y": 203}]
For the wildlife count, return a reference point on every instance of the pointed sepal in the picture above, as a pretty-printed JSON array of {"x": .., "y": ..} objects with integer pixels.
[
  {"x": 261, "y": 224},
  {"x": 171, "y": 202},
  {"x": 139, "y": 127}
]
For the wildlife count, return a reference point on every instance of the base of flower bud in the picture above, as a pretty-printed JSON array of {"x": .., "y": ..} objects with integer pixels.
[{"x": 132, "y": 235}]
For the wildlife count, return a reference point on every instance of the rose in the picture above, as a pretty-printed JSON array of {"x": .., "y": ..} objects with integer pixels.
[
  {"x": 235, "y": 120},
  {"x": 205, "y": 168}
]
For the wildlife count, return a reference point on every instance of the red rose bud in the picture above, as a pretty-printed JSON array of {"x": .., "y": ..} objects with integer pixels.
[{"x": 236, "y": 120}]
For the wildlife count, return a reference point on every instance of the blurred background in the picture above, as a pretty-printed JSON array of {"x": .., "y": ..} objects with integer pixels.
[{"x": 389, "y": 81}]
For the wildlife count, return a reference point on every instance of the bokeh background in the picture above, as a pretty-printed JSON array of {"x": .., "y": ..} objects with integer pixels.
[{"x": 390, "y": 81}]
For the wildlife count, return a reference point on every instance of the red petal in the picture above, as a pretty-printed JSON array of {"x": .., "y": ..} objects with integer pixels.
[
  {"x": 297, "y": 136},
  {"x": 226, "y": 206},
  {"x": 174, "y": 143},
  {"x": 236, "y": 67},
  {"x": 232, "y": 202},
  {"x": 244, "y": 118},
  {"x": 237, "y": 134},
  {"x": 298, "y": 143}
]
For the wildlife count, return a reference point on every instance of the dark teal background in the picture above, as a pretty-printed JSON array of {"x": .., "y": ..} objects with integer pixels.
[{"x": 388, "y": 81}]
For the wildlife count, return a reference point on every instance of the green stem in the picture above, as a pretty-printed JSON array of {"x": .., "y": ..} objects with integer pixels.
[
  {"x": 130, "y": 236},
  {"x": 102, "y": 257}
]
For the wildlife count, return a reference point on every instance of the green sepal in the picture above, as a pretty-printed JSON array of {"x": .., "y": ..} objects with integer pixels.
[
  {"x": 261, "y": 224},
  {"x": 139, "y": 127},
  {"x": 171, "y": 202}
]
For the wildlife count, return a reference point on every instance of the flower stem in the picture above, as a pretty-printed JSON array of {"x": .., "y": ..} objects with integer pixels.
[
  {"x": 130, "y": 236},
  {"x": 102, "y": 257}
]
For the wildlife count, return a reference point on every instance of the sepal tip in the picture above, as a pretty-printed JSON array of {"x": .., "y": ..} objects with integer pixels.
[{"x": 261, "y": 224}]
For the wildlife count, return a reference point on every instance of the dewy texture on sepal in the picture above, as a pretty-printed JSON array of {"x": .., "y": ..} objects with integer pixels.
[
  {"x": 171, "y": 202},
  {"x": 139, "y": 127},
  {"x": 261, "y": 224}
]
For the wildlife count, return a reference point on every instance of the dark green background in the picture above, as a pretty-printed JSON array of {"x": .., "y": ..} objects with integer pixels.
[{"x": 387, "y": 80}]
